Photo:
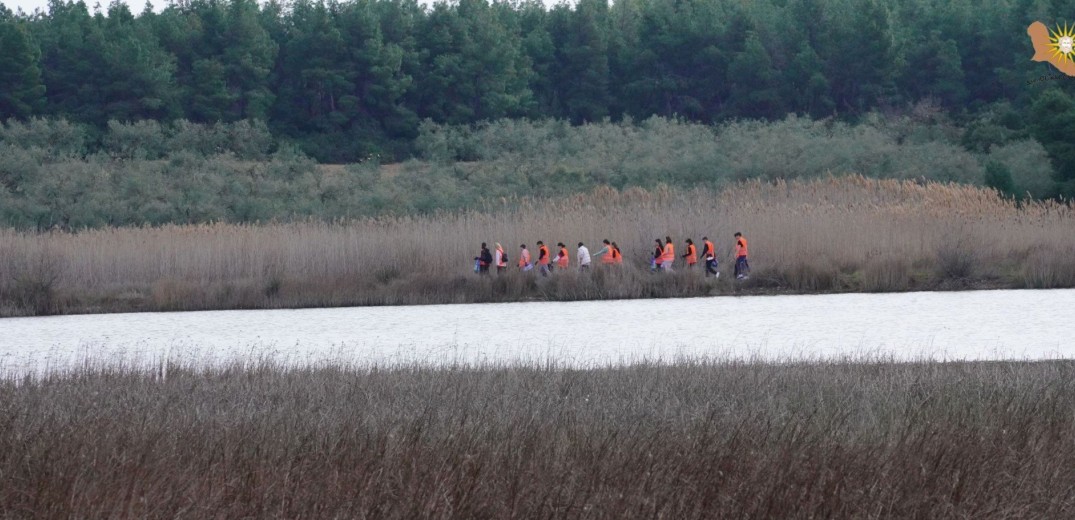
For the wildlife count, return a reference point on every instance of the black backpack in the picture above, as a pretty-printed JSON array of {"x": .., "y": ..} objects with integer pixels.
[{"x": 504, "y": 257}]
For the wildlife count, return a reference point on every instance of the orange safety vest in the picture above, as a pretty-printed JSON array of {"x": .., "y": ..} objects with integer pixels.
[
  {"x": 709, "y": 250},
  {"x": 543, "y": 258},
  {"x": 617, "y": 255},
  {"x": 501, "y": 263},
  {"x": 741, "y": 247},
  {"x": 524, "y": 258},
  {"x": 609, "y": 257},
  {"x": 563, "y": 257},
  {"x": 692, "y": 257},
  {"x": 669, "y": 254}
]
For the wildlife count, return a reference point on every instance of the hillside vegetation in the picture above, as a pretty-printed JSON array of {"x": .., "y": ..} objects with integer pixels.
[
  {"x": 58, "y": 175},
  {"x": 347, "y": 81}
]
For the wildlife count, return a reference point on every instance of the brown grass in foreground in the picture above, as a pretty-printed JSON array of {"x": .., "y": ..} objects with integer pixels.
[
  {"x": 692, "y": 440},
  {"x": 838, "y": 234}
]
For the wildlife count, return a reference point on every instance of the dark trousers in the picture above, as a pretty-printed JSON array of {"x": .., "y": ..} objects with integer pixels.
[
  {"x": 742, "y": 267},
  {"x": 711, "y": 267}
]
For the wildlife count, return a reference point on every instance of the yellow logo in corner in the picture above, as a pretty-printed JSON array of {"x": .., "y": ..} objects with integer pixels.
[
  {"x": 1055, "y": 47},
  {"x": 1060, "y": 41}
]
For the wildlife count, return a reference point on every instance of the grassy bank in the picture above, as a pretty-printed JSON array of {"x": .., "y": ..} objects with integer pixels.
[
  {"x": 691, "y": 440},
  {"x": 837, "y": 234}
]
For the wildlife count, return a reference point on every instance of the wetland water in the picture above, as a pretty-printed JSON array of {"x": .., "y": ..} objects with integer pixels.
[{"x": 1023, "y": 324}]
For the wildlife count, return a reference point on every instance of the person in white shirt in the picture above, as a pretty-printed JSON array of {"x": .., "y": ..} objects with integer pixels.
[
  {"x": 584, "y": 257},
  {"x": 500, "y": 259}
]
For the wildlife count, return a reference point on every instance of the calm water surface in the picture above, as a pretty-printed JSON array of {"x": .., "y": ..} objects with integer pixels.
[{"x": 949, "y": 325}]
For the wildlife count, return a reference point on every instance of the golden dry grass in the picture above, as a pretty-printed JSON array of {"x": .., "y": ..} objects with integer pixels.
[{"x": 837, "y": 234}]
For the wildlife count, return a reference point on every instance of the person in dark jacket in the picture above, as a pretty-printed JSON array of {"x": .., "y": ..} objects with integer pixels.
[{"x": 484, "y": 259}]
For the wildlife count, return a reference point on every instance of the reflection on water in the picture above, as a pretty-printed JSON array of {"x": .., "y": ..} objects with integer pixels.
[{"x": 951, "y": 325}]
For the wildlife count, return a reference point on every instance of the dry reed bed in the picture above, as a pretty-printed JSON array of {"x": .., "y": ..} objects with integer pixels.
[
  {"x": 837, "y": 234},
  {"x": 690, "y": 440}
]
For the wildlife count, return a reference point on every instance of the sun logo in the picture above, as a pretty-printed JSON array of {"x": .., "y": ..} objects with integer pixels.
[{"x": 1062, "y": 42}]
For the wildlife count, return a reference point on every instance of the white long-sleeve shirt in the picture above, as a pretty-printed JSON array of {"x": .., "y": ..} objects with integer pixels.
[{"x": 584, "y": 256}]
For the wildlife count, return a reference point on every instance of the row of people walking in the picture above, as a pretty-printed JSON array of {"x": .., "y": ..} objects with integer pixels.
[
  {"x": 609, "y": 254},
  {"x": 664, "y": 256}
]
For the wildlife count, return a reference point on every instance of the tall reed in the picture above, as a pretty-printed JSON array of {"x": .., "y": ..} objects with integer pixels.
[
  {"x": 835, "y": 234},
  {"x": 692, "y": 440}
]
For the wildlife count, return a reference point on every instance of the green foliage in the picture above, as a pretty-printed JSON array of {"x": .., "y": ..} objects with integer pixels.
[
  {"x": 54, "y": 138},
  {"x": 139, "y": 140},
  {"x": 1053, "y": 124},
  {"x": 791, "y": 88},
  {"x": 344, "y": 81},
  {"x": 98, "y": 68},
  {"x": 999, "y": 177},
  {"x": 53, "y": 175},
  {"x": 552, "y": 157},
  {"x": 22, "y": 92},
  {"x": 754, "y": 88},
  {"x": 1029, "y": 167}
]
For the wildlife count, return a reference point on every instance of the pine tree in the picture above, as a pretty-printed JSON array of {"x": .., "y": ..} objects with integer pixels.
[
  {"x": 933, "y": 68},
  {"x": 858, "y": 49},
  {"x": 473, "y": 66},
  {"x": 806, "y": 86},
  {"x": 98, "y": 68},
  {"x": 754, "y": 89},
  {"x": 583, "y": 71},
  {"x": 22, "y": 92}
]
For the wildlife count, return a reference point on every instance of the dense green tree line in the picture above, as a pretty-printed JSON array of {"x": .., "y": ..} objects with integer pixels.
[{"x": 347, "y": 80}]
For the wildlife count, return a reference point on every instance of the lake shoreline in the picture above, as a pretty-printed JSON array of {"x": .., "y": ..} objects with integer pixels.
[{"x": 465, "y": 284}]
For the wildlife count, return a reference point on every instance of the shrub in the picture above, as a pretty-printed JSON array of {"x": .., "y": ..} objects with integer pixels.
[
  {"x": 999, "y": 177},
  {"x": 1029, "y": 166},
  {"x": 138, "y": 140},
  {"x": 884, "y": 275},
  {"x": 1049, "y": 268},
  {"x": 33, "y": 288},
  {"x": 956, "y": 260}
]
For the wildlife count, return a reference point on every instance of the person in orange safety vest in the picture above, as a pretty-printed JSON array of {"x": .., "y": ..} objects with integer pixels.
[
  {"x": 669, "y": 254},
  {"x": 709, "y": 254},
  {"x": 658, "y": 255},
  {"x": 543, "y": 258},
  {"x": 691, "y": 255},
  {"x": 562, "y": 258},
  {"x": 742, "y": 266},
  {"x": 605, "y": 254}
]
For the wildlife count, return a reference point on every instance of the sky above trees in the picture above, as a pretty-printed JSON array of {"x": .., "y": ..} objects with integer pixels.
[{"x": 29, "y": 6}]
